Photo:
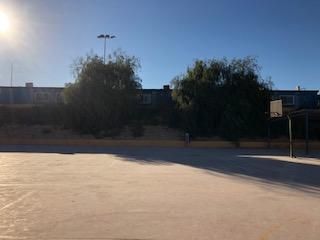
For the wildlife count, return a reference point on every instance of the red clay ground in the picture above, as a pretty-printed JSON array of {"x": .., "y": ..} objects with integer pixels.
[{"x": 157, "y": 193}]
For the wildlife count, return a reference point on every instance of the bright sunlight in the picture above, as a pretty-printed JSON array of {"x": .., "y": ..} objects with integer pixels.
[{"x": 4, "y": 23}]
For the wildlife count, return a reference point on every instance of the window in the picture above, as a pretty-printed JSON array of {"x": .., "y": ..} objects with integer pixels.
[
  {"x": 38, "y": 97},
  {"x": 287, "y": 100},
  {"x": 42, "y": 97},
  {"x": 45, "y": 96},
  {"x": 146, "y": 99},
  {"x": 59, "y": 98}
]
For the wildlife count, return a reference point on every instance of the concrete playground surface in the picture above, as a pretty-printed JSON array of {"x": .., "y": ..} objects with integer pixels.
[{"x": 157, "y": 193}]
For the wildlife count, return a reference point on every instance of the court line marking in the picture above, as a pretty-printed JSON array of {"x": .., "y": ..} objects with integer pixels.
[
  {"x": 16, "y": 201},
  {"x": 12, "y": 237}
]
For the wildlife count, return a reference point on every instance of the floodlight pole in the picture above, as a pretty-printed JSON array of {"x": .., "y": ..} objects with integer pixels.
[
  {"x": 104, "y": 50},
  {"x": 11, "y": 84},
  {"x": 105, "y": 37},
  {"x": 11, "y": 76}
]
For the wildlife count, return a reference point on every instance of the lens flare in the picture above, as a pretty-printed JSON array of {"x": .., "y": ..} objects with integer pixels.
[{"x": 4, "y": 23}]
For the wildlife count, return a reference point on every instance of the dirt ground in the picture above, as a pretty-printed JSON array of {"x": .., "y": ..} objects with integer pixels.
[{"x": 157, "y": 193}]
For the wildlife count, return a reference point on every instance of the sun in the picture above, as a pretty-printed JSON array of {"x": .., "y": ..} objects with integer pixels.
[{"x": 4, "y": 22}]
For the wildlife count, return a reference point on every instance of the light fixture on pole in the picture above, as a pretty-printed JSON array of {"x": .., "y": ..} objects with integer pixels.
[{"x": 105, "y": 37}]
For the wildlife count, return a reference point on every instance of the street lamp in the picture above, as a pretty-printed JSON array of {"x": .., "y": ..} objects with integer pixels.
[{"x": 105, "y": 37}]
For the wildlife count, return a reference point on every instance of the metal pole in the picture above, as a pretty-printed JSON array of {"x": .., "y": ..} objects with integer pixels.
[
  {"x": 290, "y": 137},
  {"x": 11, "y": 78},
  {"x": 11, "y": 84},
  {"x": 269, "y": 133},
  {"x": 104, "y": 51},
  {"x": 307, "y": 132}
]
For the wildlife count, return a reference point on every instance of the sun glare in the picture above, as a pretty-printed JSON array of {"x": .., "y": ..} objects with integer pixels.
[{"x": 4, "y": 22}]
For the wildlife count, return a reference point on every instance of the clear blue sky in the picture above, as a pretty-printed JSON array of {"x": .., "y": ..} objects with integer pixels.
[{"x": 167, "y": 36}]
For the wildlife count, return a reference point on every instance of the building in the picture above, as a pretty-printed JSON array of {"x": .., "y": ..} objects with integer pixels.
[
  {"x": 30, "y": 95},
  {"x": 293, "y": 100},
  {"x": 156, "y": 97}
]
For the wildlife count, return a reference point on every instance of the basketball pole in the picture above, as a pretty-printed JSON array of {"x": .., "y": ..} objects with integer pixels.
[
  {"x": 307, "y": 133},
  {"x": 269, "y": 133},
  {"x": 290, "y": 136}
]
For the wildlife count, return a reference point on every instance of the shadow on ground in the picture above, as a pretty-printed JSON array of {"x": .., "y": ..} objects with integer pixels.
[{"x": 258, "y": 165}]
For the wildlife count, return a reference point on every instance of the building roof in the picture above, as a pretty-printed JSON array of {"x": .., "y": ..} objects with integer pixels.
[
  {"x": 23, "y": 87},
  {"x": 296, "y": 91},
  {"x": 155, "y": 90}
]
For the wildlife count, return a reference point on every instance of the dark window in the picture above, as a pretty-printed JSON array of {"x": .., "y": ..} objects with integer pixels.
[
  {"x": 59, "y": 98},
  {"x": 287, "y": 100},
  {"x": 42, "y": 97},
  {"x": 45, "y": 96},
  {"x": 146, "y": 99}
]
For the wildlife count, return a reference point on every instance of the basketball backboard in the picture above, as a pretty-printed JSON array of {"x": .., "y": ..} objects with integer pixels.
[{"x": 275, "y": 108}]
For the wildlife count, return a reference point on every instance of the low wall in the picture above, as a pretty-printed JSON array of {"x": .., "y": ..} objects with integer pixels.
[
  {"x": 158, "y": 143},
  {"x": 94, "y": 142}
]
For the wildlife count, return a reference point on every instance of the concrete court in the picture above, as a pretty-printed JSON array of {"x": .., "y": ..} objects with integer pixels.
[{"x": 157, "y": 193}]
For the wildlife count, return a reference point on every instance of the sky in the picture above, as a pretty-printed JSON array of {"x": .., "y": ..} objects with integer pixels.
[{"x": 46, "y": 36}]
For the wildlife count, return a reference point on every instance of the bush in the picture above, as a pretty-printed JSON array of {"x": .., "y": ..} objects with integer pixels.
[
  {"x": 103, "y": 98},
  {"x": 36, "y": 115},
  {"x": 221, "y": 97},
  {"x": 136, "y": 129},
  {"x": 46, "y": 131}
]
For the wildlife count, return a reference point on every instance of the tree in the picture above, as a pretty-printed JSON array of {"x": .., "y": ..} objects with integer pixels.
[
  {"x": 221, "y": 97},
  {"x": 103, "y": 97}
]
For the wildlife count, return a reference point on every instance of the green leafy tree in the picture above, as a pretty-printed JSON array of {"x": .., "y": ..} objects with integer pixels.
[
  {"x": 103, "y": 97},
  {"x": 221, "y": 97}
]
